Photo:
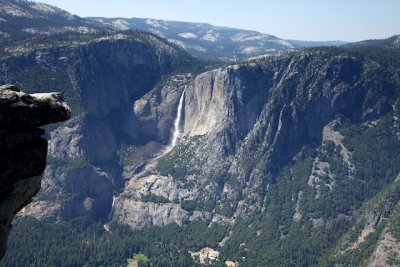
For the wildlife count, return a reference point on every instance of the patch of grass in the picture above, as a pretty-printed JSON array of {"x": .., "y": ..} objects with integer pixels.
[{"x": 138, "y": 258}]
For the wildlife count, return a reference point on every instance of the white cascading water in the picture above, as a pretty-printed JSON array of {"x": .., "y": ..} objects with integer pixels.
[
  {"x": 177, "y": 123},
  {"x": 110, "y": 214}
]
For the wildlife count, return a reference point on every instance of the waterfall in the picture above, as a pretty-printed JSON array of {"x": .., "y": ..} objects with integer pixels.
[
  {"x": 177, "y": 123},
  {"x": 110, "y": 214}
]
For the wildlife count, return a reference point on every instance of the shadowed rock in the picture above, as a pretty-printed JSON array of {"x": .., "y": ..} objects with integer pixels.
[
  {"x": 23, "y": 151},
  {"x": 19, "y": 110}
]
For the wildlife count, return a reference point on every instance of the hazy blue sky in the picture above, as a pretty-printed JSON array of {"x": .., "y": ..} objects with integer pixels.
[{"x": 348, "y": 20}]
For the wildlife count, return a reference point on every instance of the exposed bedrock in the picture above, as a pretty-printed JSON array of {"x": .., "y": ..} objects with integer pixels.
[{"x": 23, "y": 149}]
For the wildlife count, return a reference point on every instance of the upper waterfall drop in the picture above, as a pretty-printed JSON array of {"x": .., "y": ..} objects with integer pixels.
[{"x": 177, "y": 123}]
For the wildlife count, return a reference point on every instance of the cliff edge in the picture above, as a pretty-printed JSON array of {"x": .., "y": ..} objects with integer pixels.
[{"x": 23, "y": 150}]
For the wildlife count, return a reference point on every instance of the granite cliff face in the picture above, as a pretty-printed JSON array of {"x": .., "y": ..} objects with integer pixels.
[
  {"x": 100, "y": 78},
  {"x": 242, "y": 123},
  {"x": 295, "y": 155},
  {"x": 306, "y": 141},
  {"x": 23, "y": 149},
  {"x": 254, "y": 135}
]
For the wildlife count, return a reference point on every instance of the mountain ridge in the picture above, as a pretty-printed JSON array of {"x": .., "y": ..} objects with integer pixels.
[
  {"x": 25, "y": 20},
  {"x": 272, "y": 162},
  {"x": 206, "y": 40},
  {"x": 283, "y": 160}
]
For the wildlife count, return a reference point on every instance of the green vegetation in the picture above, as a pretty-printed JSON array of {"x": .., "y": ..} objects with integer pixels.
[
  {"x": 385, "y": 205},
  {"x": 176, "y": 163},
  {"x": 308, "y": 241},
  {"x": 81, "y": 242},
  {"x": 296, "y": 224},
  {"x": 154, "y": 198},
  {"x": 394, "y": 221},
  {"x": 388, "y": 56},
  {"x": 132, "y": 155},
  {"x": 226, "y": 208},
  {"x": 283, "y": 241},
  {"x": 68, "y": 163},
  {"x": 357, "y": 257},
  {"x": 192, "y": 205},
  {"x": 140, "y": 259}
]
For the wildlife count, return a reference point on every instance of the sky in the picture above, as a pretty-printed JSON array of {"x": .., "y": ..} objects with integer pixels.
[{"x": 311, "y": 20}]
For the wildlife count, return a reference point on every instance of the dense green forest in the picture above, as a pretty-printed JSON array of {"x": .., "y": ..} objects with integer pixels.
[{"x": 81, "y": 242}]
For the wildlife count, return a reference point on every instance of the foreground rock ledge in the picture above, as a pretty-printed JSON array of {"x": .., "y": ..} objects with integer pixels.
[{"x": 23, "y": 150}]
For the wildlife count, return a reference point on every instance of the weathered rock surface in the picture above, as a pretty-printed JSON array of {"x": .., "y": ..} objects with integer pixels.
[
  {"x": 241, "y": 125},
  {"x": 33, "y": 110},
  {"x": 156, "y": 111},
  {"x": 23, "y": 150},
  {"x": 140, "y": 214},
  {"x": 272, "y": 109},
  {"x": 386, "y": 253},
  {"x": 254, "y": 140},
  {"x": 205, "y": 256},
  {"x": 101, "y": 79}
]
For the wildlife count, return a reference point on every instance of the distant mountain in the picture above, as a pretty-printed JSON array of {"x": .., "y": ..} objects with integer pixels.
[
  {"x": 206, "y": 40},
  {"x": 392, "y": 42},
  {"x": 21, "y": 20},
  {"x": 303, "y": 44},
  {"x": 202, "y": 39}
]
